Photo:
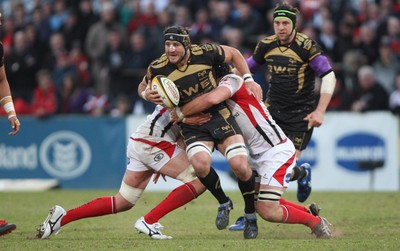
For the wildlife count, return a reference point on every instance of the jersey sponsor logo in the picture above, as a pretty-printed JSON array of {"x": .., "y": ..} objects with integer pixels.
[
  {"x": 282, "y": 69},
  {"x": 361, "y": 152},
  {"x": 65, "y": 154}
]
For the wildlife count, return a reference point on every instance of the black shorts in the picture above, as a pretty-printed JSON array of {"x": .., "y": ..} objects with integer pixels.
[
  {"x": 221, "y": 126},
  {"x": 294, "y": 126}
]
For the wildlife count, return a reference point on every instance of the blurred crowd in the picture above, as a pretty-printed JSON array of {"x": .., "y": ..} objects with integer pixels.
[{"x": 88, "y": 56}]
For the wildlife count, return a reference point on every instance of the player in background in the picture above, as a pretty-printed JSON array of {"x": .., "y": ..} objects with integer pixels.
[
  {"x": 293, "y": 60},
  {"x": 7, "y": 103},
  {"x": 190, "y": 67},
  {"x": 151, "y": 149},
  {"x": 271, "y": 154}
]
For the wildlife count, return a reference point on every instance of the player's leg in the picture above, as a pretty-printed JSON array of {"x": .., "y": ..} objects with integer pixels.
[
  {"x": 235, "y": 151},
  {"x": 132, "y": 186},
  {"x": 178, "y": 168},
  {"x": 275, "y": 174},
  {"x": 301, "y": 173},
  {"x": 199, "y": 154}
]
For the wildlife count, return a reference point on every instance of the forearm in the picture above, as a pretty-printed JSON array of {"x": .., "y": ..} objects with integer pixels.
[
  {"x": 142, "y": 88},
  {"x": 323, "y": 103}
]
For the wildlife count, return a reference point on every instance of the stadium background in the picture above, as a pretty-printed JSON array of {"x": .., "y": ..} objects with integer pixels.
[{"x": 101, "y": 48}]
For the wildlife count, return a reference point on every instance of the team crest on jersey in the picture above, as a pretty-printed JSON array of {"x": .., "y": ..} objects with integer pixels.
[{"x": 158, "y": 157}]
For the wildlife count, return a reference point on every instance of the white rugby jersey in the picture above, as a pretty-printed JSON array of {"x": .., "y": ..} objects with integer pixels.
[
  {"x": 158, "y": 127},
  {"x": 260, "y": 131}
]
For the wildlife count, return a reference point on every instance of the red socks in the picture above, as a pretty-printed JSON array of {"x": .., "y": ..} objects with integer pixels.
[
  {"x": 177, "y": 198},
  {"x": 292, "y": 215},
  {"x": 97, "y": 207},
  {"x": 282, "y": 201}
]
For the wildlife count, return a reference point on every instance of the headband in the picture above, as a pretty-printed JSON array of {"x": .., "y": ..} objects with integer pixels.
[
  {"x": 288, "y": 14},
  {"x": 175, "y": 34}
]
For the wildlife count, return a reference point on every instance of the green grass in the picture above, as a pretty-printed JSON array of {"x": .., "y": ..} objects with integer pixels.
[{"x": 363, "y": 221}]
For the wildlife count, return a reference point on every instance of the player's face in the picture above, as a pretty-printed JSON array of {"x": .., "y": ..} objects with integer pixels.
[
  {"x": 283, "y": 29},
  {"x": 174, "y": 51}
]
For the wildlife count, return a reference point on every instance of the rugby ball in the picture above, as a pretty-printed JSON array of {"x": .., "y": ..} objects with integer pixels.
[{"x": 167, "y": 89}]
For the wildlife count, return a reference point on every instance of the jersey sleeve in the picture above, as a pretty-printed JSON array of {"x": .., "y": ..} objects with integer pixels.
[
  {"x": 232, "y": 82},
  {"x": 214, "y": 51},
  {"x": 259, "y": 52}
]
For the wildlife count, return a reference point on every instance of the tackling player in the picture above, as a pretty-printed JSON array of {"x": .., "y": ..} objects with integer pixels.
[
  {"x": 152, "y": 148},
  {"x": 271, "y": 154}
]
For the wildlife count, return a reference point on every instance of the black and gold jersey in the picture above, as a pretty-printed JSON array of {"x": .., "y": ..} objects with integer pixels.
[
  {"x": 197, "y": 76},
  {"x": 292, "y": 80}
]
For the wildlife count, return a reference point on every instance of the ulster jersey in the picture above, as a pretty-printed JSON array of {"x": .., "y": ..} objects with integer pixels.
[
  {"x": 158, "y": 127},
  {"x": 259, "y": 130},
  {"x": 291, "y": 86}
]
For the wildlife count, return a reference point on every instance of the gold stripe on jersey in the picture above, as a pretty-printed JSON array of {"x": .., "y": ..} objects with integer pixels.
[
  {"x": 301, "y": 77},
  {"x": 288, "y": 53},
  {"x": 225, "y": 113},
  {"x": 197, "y": 68},
  {"x": 160, "y": 62}
]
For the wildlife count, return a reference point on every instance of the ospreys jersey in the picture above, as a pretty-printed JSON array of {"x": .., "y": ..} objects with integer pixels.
[
  {"x": 291, "y": 86},
  {"x": 195, "y": 78}
]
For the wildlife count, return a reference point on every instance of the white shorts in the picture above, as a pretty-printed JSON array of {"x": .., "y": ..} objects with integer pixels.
[
  {"x": 275, "y": 165},
  {"x": 144, "y": 155}
]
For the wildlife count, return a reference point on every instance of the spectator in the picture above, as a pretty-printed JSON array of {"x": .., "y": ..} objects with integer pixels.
[
  {"x": 112, "y": 62},
  {"x": 386, "y": 66},
  {"x": 371, "y": 96},
  {"x": 44, "y": 102},
  {"x": 394, "y": 99},
  {"x": 123, "y": 106},
  {"x": 201, "y": 27},
  {"x": 63, "y": 67},
  {"x": 73, "y": 95},
  {"x": 57, "y": 47},
  {"x": 41, "y": 23},
  {"x": 59, "y": 16},
  {"x": 138, "y": 56},
  {"x": 96, "y": 43},
  {"x": 145, "y": 18},
  {"x": 367, "y": 43},
  {"x": 248, "y": 21},
  {"x": 21, "y": 67},
  {"x": 220, "y": 18}
]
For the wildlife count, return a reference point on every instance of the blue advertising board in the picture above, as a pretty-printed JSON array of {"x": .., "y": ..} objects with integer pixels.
[{"x": 78, "y": 151}]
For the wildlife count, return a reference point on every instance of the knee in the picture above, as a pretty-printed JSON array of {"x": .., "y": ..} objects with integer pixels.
[
  {"x": 121, "y": 204},
  {"x": 267, "y": 211},
  {"x": 241, "y": 168}
]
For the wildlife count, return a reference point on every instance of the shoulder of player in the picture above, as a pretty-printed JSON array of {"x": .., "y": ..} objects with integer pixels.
[
  {"x": 204, "y": 48},
  {"x": 269, "y": 40},
  {"x": 303, "y": 41},
  {"x": 159, "y": 62}
]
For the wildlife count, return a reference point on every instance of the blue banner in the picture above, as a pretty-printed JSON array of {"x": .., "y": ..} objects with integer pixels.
[{"x": 80, "y": 152}]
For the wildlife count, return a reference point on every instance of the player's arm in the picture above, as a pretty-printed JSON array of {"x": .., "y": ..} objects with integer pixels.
[
  {"x": 233, "y": 55},
  {"x": 7, "y": 103},
  {"x": 322, "y": 67},
  {"x": 147, "y": 94},
  {"x": 204, "y": 102}
]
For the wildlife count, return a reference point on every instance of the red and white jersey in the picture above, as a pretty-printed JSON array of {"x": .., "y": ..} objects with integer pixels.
[
  {"x": 259, "y": 130},
  {"x": 158, "y": 127}
]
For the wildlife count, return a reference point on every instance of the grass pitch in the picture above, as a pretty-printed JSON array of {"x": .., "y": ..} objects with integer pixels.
[{"x": 362, "y": 221}]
